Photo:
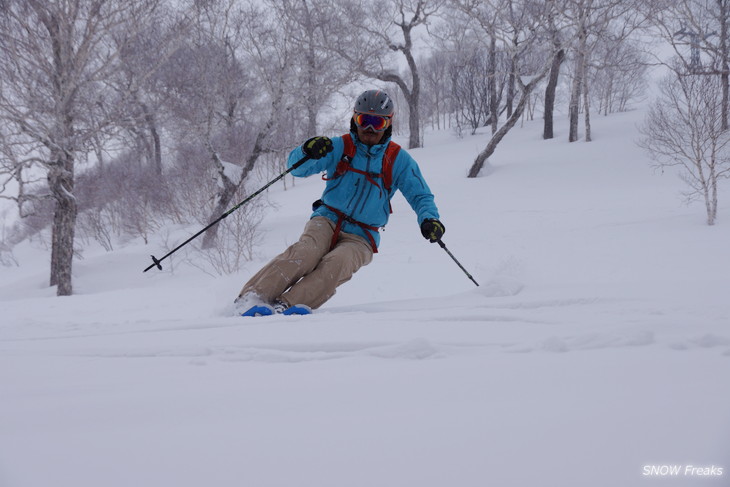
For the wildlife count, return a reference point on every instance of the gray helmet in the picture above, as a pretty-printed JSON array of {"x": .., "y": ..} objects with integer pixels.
[{"x": 376, "y": 102}]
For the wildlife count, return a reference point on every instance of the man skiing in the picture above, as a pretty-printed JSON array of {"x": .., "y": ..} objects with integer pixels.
[{"x": 363, "y": 170}]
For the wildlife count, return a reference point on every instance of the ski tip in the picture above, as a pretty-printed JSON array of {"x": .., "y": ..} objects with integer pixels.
[
  {"x": 258, "y": 310},
  {"x": 297, "y": 309}
]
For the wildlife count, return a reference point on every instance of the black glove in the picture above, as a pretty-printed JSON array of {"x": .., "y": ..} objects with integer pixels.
[
  {"x": 432, "y": 230},
  {"x": 317, "y": 147}
]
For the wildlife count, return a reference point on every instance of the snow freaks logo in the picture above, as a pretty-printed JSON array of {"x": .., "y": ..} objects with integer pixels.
[{"x": 682, "y": 471}]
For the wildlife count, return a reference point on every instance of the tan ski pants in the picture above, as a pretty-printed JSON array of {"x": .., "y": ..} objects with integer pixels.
[{"x": 308, "y": 272}]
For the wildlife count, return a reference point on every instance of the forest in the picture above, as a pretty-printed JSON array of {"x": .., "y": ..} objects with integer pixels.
[{"x": 121, "y": 118}]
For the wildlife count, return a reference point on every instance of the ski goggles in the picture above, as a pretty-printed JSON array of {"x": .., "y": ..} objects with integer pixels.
[{"x": 376, "y": 122}]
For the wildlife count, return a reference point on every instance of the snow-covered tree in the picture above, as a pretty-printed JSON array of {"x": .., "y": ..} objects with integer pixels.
[
  {"x": 320, "y": 75},
  {"x": 699, "y": 33},
  {"x": 529, "y": 70},
  {"x": 684, "y": 128},
  {"x": 592, "y": 21},
  {"x": 369, "y": 33},
  {"x": 54, "y": 59}
]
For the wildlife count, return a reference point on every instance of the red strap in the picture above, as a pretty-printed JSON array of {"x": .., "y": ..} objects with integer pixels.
[
  {"x": 342, "y": 217},
  {"x": 391, "y": 152},
  {"x": 345, "y": 164},
  {"x": 348, "y": 154},
  {"x": 350, "y": 148}
]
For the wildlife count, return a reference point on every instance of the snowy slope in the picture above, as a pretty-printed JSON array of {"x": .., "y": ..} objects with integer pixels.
[{"x": 597, "y": 344}]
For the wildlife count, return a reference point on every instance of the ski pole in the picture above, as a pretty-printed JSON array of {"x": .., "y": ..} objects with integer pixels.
[
  {"x": 156, "y": 262},
  {"x": 443, "y": 246}
]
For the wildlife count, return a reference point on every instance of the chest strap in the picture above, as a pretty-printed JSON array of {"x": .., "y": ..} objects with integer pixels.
[
  {"x": 344, "y": 166},
  {"x": 348, "y": 154},
  {"x": 341, "y": 218}
]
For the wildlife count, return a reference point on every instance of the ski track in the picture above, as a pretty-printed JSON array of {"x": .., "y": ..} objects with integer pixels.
[
  {"x": 596, "y": 343},
  {"x": 522, "y": 326}
]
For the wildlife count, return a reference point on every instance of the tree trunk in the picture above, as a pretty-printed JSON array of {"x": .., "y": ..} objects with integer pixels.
[
  {"x": 412, "y": 96},
  {"x": 587, "y": 108},
  {"x": 711, "y": 195},
  {"x": 575, "y": 92},
  {"x": 511, "y": 88},
  {"x": 725, "y": 95},
  {"x": 493, "y": 101},
  {"x": 414, "y": 99},
  {"x": 61, "y": 185},
  {"x": 149, "y": 119},
  {"x": 61, "y": 171},
  {"x": 714, "y": 200},
  {"x": 414, "y": 125},
  {"x": 225, "y": 196},
  {"x": 311, "y": 57},
  {"x": 725, "y": 62},
  {"x": 511, "y": 121},
  {"x": 552, "y": 85},
  {"x": 608, "y": 104},
  {"x": 497, "y": 138}
]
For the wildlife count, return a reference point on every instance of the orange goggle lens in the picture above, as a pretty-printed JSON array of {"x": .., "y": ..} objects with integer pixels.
[{"x": 376, "y": 122}]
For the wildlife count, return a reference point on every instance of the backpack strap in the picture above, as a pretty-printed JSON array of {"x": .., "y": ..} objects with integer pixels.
[
  {"x": 391, "y": 152},
  {"x": 345, "y": 164},
  {"x": 350, "y": 148}
]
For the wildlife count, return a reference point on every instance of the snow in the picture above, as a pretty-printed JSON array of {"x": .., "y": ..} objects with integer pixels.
[
  {"x": 597, "y": 343},
  {"x": 232, "y": 171}
]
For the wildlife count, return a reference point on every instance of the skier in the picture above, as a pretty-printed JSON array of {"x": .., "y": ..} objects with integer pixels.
[{"x": 363, "y": 170}]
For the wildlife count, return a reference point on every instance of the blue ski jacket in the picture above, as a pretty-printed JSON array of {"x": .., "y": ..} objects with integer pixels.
[{"x": 357, "y": 196}]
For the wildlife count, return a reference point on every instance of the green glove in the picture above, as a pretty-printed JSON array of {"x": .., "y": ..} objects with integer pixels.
[
  {"x": 432, "y": 230},
  {"x": 317, "y": 147}
]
